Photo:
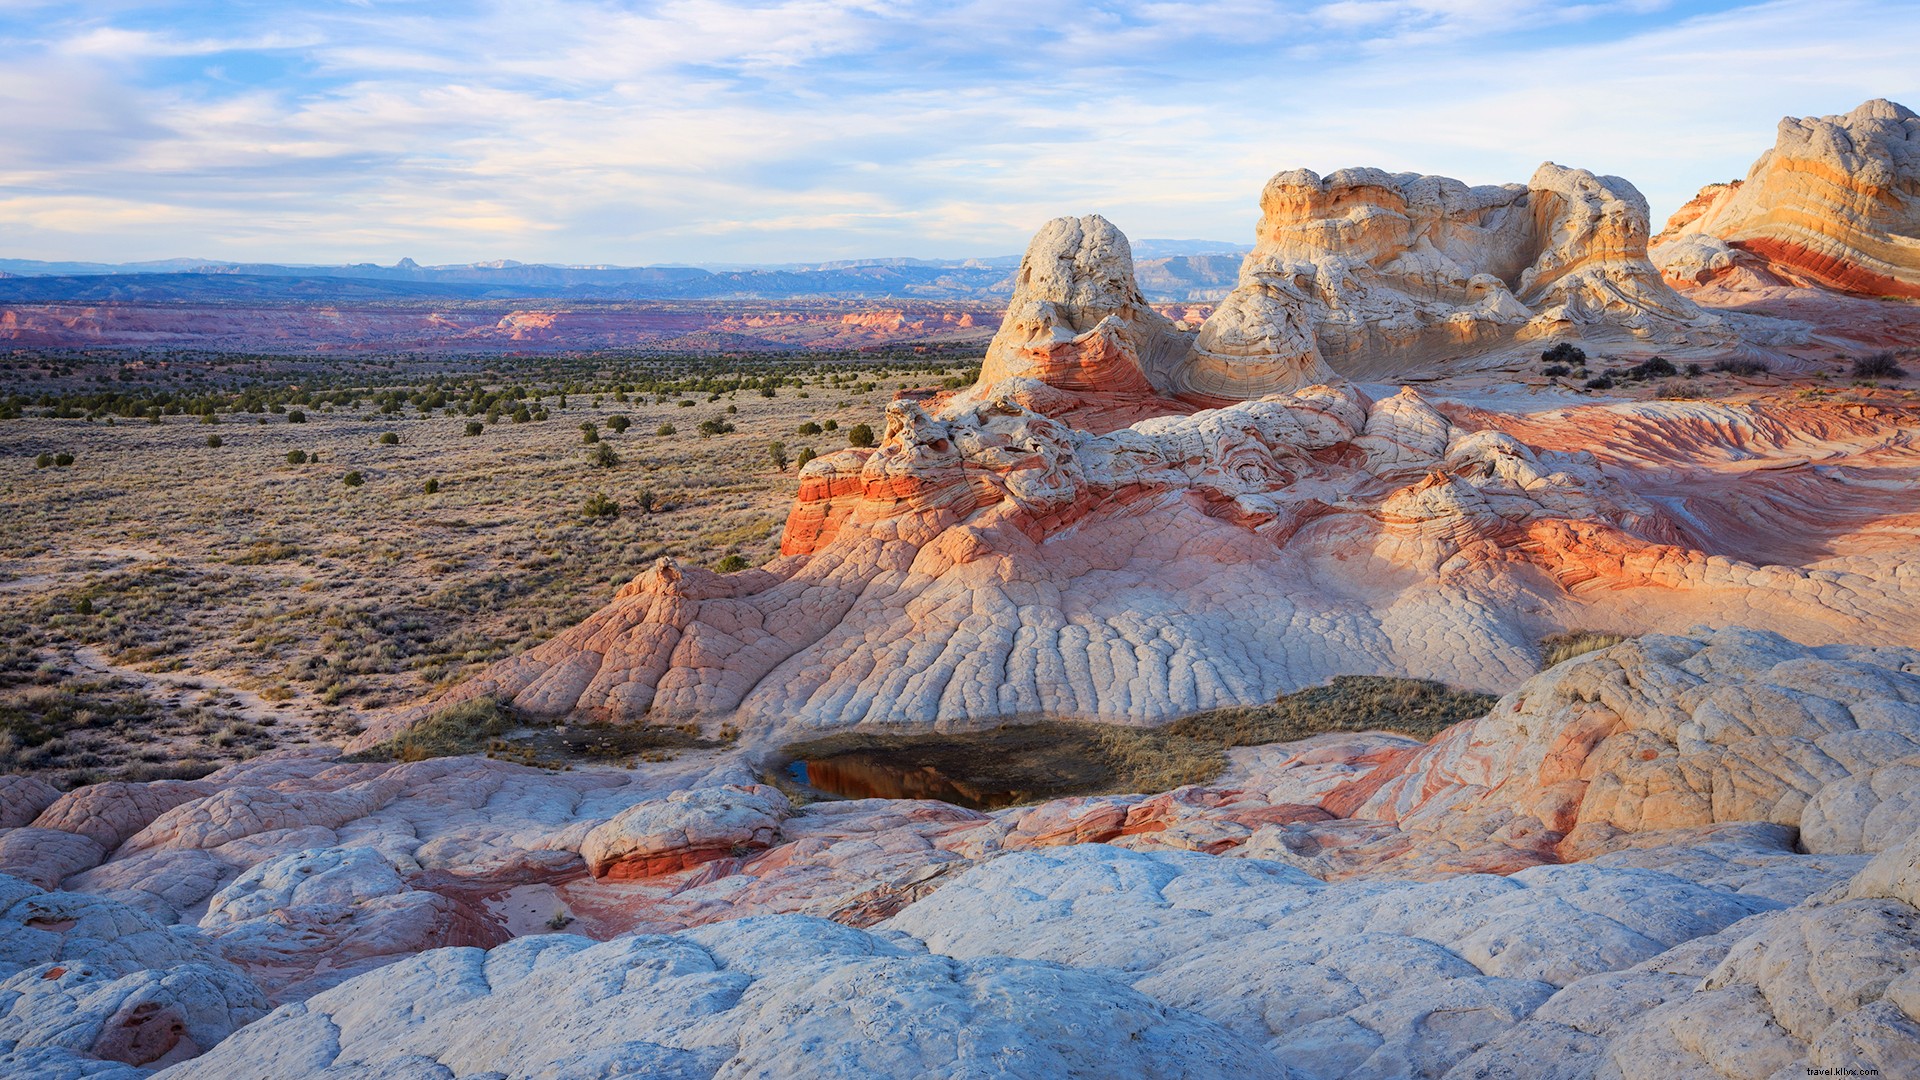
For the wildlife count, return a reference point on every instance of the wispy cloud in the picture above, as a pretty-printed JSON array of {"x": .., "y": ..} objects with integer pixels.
[{"x": 690, "y": 130}]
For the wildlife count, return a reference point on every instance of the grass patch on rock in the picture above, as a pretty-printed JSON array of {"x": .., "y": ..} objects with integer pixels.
[
  {"x": 1557, "y": 649},
  {"x": 465, "y": 728},
  {"x": 1416, "y": 707}
]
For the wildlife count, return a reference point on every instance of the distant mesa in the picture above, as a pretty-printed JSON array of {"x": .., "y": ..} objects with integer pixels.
[{"x": 1835, "y": 203}]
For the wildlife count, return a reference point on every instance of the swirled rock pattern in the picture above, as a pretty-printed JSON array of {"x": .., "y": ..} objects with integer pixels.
[
  {"x": 1834, "y": 203},
  {"x": 1682, "y": 849}
]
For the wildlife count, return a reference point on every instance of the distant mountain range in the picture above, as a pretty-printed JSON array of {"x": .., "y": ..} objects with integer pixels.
[{"x": 1169, "y": 270}]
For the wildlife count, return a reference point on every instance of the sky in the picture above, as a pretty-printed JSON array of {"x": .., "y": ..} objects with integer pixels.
[{"x": 703, "y": 131}]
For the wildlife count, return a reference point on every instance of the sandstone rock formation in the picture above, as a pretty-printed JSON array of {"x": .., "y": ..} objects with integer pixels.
[
  {"x": 1405, "y": 267},
  {"x": 1835, "y": 203},
  {"x": 1706, "y": 855},
  {"x": 989, "y": 560}
]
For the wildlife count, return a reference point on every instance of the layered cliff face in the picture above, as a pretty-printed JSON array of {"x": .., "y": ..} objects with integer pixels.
[
  {"x": 1835, "y": 203},
  {"x": 1399, "y": 269}
]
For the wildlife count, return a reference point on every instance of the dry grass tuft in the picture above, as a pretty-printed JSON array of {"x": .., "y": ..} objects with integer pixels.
[
  {"x": 457, "y": 729},
  {"x": 1556, "y": 649}
]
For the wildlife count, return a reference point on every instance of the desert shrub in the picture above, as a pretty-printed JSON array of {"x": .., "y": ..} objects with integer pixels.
[
  {"x": 353, "y": 479},
  {"x": 809, "y": 428},
  {"x": 683, "y": 403},
  {"x": 295, "y": 416},
  {"x": 1679, "y": 391},
  {"x": 456, "y": 729},
  {"x": 1414, "y": 707},
  {"x": 1555, "y": 371},
  {"x": 1743, "y": 367},
  {"x": 1658, "y": 367},
  {"x": 716, "y": 426},
  {"x": 209, "y": 418},
  {"x": 602, "y": 456},
  {"x": 296, "y": 457},
  {"x": 589, "y": 432},
  {"x": 1601, "y": 382},
  {"x": 805, "y": 455},
  {"x": 1559, "y": 648},
  {"x": 599, "y": 507},
  {"x": 1880, "y": 365},
  {"x": 474, "y": 427},
  {"x": 860, "y": 435},
  {"x": 665, "y": 429},
  {"x": 831, "y": 425},
  {"x": 63, "y": 460},
  {"x": 619, "y": 423},
  {"x": 521, "y": 415},
  {"x": 213, "y": 442},
  {"x": 431, "y": 487},
  {"x": 388, "y": 438},
  {"x": 1565, "y": 353},
  {"x": 647, "y": 500},
  {"x": 733, "y": 410},
  {"x": 731, "y": 563},
  {"x": 45, "y": 460},
  {"x": 777, "y": 453}
]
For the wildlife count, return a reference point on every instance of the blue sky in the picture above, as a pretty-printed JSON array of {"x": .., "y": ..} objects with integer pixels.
[{"x": 581, "y": 131}]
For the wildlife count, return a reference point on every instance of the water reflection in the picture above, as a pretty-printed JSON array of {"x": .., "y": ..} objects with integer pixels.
[{"x": 880, "y": 775}]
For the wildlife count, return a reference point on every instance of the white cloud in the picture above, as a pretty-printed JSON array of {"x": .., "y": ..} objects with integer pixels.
[{"x": 691, "y": 130}]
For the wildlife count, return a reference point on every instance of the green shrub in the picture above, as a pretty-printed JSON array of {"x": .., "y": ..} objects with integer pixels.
[
  {"x": 809, "y": 428},
  {"x": 45, "y": 460},
  {"x": 805, "y": 455},
  {"x": 353, "y": 479},
  {"x": 589, "y": 432},
  {"x": 777, "y": 453},
  {"x": 213, "y": 442},
  {"x": 647, "y": 500},
  {"x": 730, "y": 564},
  {"x": 431, "y": 487},
  {"x": 602, "y": 456},
  {"x": 474, "y": 427},
  {"x": 389, "y": 439},
  {"x": 598, "y": 507},
  {"x": 715, "y": 426},
  {"x": 296, "y": 457},
  {"x": 664, "y": 429},
  {"x": 860, "y": 435},
  {"x": 619, "y": 423},
  {"x": 831, "y": 425},
  {"x": 295, "y": 416},
  {"x": 63, "y": 460}
]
